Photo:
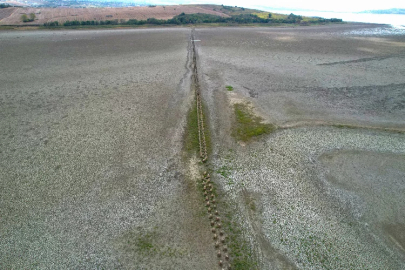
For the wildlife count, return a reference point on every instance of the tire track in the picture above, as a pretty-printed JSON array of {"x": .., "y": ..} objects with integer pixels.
[
  {"x": 361, "y": 60},
  {"x": 219, "y": 237}
]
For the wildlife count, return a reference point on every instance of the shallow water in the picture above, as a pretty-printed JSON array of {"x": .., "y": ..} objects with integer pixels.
[{"x": 388, "y": 30}]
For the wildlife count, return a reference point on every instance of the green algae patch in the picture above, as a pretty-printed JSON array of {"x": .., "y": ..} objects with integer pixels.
[{"x": 247, "y": 125}]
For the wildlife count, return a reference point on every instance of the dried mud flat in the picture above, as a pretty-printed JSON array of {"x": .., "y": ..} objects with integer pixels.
[
  {"x": 93, "y": 173},
  {"x": 91, "y": 134},
  {"x": 327, "y": 189}
]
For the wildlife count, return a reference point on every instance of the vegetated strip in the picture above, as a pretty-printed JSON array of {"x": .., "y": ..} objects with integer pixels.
[
  {"x": 198, "y": 18},
  {"x": 247, "y": 125}
]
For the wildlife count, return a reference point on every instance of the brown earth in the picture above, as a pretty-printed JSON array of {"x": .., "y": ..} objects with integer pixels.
[
  {"x": 44, "y": 15},
  {"x": 5, "y": 12}
]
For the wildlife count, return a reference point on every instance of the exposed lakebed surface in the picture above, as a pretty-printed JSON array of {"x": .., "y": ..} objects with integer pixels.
[{"x": 92, "y": 171}]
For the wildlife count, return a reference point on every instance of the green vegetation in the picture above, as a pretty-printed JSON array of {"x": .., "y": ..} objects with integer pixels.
[
  {"x": 55, "y": 23},
  {"x": 295, "y": 19},
  {"x": 230, "y": 88},
  {"x": 4, "y": 6},
  {"x": 247, "y": 125},
  {"x": 146, "y": 243},
  {"x": 242, "y": 255},
  {"x": 202, "y": 18},
  {"x": 25, "y": 18},
  {"x": 225, "y": 171},
  {"x": 240, "y": 251},
  {"x": 191, "y": 140}
]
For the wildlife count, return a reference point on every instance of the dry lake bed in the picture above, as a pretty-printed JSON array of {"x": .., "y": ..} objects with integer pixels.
[{"x": 93, "y": 173}]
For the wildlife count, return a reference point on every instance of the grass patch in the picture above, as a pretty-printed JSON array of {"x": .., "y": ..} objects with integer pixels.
[
  {"x": 225, "y": 171},
  {"x": 247, "y": 125},
  {"x": 141, "y": 242},
  {"x": 242, "y": 255},
  {"x": 144, "y": 243},
  {"x": 191, "y": 140},
  {"x": 229, "y": 88}
]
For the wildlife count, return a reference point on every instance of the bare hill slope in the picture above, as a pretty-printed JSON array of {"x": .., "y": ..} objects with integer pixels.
[{"x": 44, "y": 15}]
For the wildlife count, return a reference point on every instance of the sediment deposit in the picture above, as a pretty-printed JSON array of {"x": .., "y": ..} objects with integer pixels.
[{"x": 92, "y": 166}]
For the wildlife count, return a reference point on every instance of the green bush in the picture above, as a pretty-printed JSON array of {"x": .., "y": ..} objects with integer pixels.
[{"x": 55, "y": 23}]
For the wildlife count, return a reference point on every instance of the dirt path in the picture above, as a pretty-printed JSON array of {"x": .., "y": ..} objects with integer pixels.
[{"x": 219, "y": 237}]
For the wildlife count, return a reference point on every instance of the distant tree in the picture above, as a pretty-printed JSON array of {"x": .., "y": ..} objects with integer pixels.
[
  {"x": 4, "y": 6},
  {"x": 55, "y": 23},
  {"x": 24, "y": 18},
  {"x": 269, "y": 15}
]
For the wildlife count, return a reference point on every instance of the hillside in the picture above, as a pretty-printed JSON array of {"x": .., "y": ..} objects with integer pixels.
[
  {"x": 141, "y": 14},
  {"x": 44, "y": 15}
]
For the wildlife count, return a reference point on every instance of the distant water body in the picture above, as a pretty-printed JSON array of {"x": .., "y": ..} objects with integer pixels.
[{"x": 396, "y": 20}]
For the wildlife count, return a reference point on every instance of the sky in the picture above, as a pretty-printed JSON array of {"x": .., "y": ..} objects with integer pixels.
[{"x": 319, "y": 5}]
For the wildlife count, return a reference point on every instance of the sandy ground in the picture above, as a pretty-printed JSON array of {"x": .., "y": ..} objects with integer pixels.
[
  {"x": 91, "y": 170},
  {"x": 313, "y": 196},
  {"x": 91, "y": 129}
]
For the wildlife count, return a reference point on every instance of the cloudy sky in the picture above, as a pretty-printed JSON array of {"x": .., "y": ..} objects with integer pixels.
[{"x": 321, "y": 5}]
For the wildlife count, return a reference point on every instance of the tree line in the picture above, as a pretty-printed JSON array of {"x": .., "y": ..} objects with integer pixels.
[
  {"x": 4, "y": 5},
  {"x": 197, "y": 18},
  {"x": 25, "y": 17}
]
